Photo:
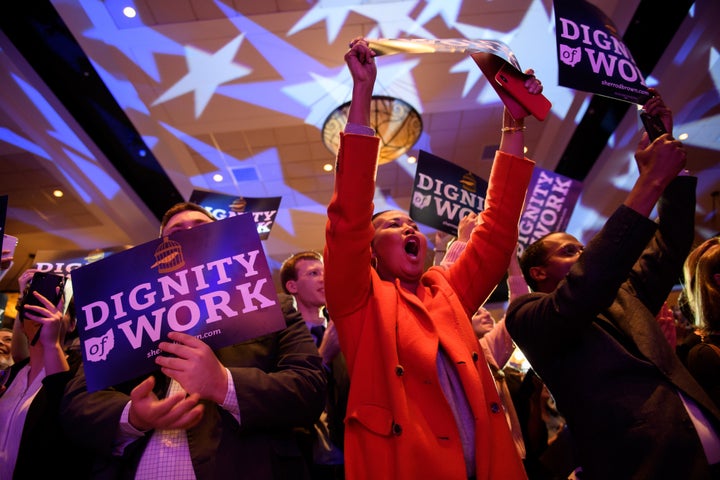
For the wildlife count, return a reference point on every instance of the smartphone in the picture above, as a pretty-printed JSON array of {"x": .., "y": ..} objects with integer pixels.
[
  {"x": 513, "y": 80},
  {"x": 653, "y": 125},
  {"x": 8, "y": 245},
  {"x": 48, "y": 285}
]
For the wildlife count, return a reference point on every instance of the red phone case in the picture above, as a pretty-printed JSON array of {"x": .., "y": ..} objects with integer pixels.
[{"x": 513, "y": 82}]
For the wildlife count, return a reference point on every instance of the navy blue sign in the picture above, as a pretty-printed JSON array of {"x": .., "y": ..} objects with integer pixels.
[
  {"x": 63, "y": 262},
  {"x": 592, "y": 56},
  {"x": 211, "y": 281},
  {"x": 444, "y": 192},
  {"x": 222, "y": 206},
  {"x": 549, "y": 203}
]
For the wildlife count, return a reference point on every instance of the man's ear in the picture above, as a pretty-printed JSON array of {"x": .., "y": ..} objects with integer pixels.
[
  {"x": 72, "y": 324},
  {"x": 291, "y": 286},
  {"x": 716, "y": 277},
  {"x": 538, "y": 274}
]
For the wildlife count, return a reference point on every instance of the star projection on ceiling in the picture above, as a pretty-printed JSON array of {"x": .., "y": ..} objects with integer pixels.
[
  {"x": 205, "y": 73},
  {"x": 392, "y": 17}
]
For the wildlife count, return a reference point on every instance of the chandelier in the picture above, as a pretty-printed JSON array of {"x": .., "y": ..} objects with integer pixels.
[{"x": 395, "y": 121}]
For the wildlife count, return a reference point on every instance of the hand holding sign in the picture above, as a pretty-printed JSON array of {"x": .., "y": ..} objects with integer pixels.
[{"x": 194, "y": 366}]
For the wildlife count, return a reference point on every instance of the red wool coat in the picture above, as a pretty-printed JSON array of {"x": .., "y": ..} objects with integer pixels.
[{"x": 399, "y": 424}]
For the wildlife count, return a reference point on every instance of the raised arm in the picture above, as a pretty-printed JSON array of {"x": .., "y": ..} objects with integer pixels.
[
  {"x": 349, "y": 229},
  {"x": 360, "y": 60},
  {"x": 483, "y": 264},
  {"x": 512, "y": 140},
  {"x": 658, "y": 162}
]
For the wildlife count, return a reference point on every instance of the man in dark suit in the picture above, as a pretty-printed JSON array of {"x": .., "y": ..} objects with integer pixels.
[
  {"x": 632, "y": 408},
  {"x": 302, "y": 276},
  {"x": 229, "y": 412}
]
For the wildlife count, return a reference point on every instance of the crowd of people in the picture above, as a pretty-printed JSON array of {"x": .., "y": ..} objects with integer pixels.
[{"x": 387, "y": 369}]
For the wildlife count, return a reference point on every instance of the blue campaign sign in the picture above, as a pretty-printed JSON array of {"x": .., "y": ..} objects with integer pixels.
[
  {"x": 212, "y": 281},
  {"x": 444, "y": 192},
  {"x": 592, "y": 56},
  {"x": 549, "y": 203},
  {"x": 221, "y": 206}
]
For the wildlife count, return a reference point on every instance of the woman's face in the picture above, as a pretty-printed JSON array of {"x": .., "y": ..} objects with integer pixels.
[
  {"x": 399, "y": 247},
  {"x": 482, "y": 322}
]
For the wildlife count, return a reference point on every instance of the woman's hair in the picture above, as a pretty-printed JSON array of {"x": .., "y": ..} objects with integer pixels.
[{"x": 701, "y": 288}]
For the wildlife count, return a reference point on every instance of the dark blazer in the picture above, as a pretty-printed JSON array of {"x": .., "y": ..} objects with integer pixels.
[
  {"x": 596, "y": 344},
  {"x": 280, "y": 385},
  {"x": 43, "y": 443},
  {"x": 337, "y": 398}
]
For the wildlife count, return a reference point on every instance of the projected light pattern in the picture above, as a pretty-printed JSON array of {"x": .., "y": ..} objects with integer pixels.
[
  {"x": 205, "y": 73},
  {"x": 184, "y": 79},
  {"x": 391, "y": 17},
  {"x": 77, "y": 152}
]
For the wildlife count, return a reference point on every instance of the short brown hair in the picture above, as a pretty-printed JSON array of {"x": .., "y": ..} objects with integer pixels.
[
  {"x": 181, "y": 207},
  {"x": 288, "y": 270}
]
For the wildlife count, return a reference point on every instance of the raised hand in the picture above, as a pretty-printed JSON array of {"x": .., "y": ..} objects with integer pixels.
[
  {"x": 330, "y": 345},
  {"x": 533, "y": 84},
  {"x": 49, "y": 317},
  {"x": 656, "y": 106},
  {"x": 360, "y": 60}
]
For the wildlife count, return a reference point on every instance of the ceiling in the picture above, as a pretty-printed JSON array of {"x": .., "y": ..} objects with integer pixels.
[{"x": 129, "y": 115}]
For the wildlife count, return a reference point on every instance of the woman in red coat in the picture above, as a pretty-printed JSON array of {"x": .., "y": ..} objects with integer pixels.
[{"x": 423, "y": 402}]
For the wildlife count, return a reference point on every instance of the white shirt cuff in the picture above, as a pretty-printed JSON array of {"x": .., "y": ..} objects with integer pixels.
[
  {"x": 230, "y": 404},
  {"x": 126, "y": 432},
  {"x": 359, "y": 129}
]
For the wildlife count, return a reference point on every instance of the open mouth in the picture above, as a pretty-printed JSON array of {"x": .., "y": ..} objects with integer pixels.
[{"x": 412, "y": 246}]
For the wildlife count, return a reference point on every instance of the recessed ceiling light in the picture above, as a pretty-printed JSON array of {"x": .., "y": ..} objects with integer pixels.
[
  {"x": 412, "y": 159},
  {"x": 328, "y": 167},
  {"x": 217, "y": 177},
  {"x": 57, "y": 193},
  {"x": 683, "y": 136},
  {"x": 129, "y": 12}
]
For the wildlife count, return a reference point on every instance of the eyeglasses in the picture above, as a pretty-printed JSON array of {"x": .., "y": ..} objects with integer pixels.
[{"x": 565, "y": 251}]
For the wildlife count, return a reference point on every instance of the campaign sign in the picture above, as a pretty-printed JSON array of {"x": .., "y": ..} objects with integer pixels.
[
  {"x": 549, "y": 203},
  {"x": 444, "y": 192},
  {"x": 592, "y": 56},
  {"x": 63, "y": 262},
  {"x": 221, "y": 206},
  {"x": 211, "y": 281}
]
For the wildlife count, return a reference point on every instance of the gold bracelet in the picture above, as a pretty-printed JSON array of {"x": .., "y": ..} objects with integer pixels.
[{"x": 512, "y": 129}]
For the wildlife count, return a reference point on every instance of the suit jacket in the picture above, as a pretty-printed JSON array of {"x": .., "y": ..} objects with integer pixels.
[
  {"x": 43, "y": 442},
  {"x": 338, "y": 391},
  {"x": 399, "y": 423},
  {"x": 596, "y": 344},
  {"x": 279, "y": 383}
]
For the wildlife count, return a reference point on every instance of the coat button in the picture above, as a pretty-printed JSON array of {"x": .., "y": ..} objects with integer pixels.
[
  {"x": 475, "y": 356},
  {"x": 399, "y": 370},
  {"x": 396, "y": 429},
  {"x": 494, "y": 407}
]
